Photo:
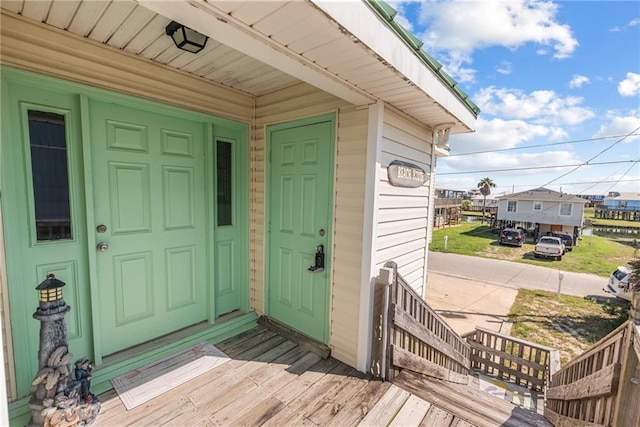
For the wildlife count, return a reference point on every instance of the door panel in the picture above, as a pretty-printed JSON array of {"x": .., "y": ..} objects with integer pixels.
[
  {"x": 230, "y": 264},
  {"x": 300, "y": 220},
  {"x": 148, "y": 179},
  {"x": 44, "y": 232}
]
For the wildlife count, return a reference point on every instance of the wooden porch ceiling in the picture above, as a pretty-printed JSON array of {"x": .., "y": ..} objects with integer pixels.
[
  {"x": 273, "y": 381},
  {"x": 256, "y": 48}
]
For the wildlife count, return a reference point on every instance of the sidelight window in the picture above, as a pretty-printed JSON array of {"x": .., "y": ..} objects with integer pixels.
[
  {"x": 50, "y": 175},
  {"x": 224, "y": 183}
]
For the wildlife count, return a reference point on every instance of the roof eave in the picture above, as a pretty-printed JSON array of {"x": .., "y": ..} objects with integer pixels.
[{"x": 383, "y": 39}]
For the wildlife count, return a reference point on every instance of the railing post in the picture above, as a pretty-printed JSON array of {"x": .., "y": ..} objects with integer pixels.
[
  {"x": 627, "y": 411},
  {"x": 634, "y": 310},
  {"x": 392, "y": 289},
  {"x": 381, "y": 319}
]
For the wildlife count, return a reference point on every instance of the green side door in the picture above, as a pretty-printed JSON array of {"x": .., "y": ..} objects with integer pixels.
[
  {"x": 300, "y": 221},
  {"x": 149, "y": 212}
]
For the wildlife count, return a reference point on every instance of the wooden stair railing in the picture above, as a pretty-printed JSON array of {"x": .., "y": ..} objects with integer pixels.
[
  {"x": 511, "y": 359},
  {"x": 411, "y": 335},
  {"x": 601, "y": 387}
]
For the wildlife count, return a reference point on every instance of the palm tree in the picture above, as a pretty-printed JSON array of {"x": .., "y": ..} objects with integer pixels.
[{"x": 485, "y": 185}]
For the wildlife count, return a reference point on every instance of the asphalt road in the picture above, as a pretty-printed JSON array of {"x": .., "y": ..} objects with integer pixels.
[{"x": 515, "y": 275}]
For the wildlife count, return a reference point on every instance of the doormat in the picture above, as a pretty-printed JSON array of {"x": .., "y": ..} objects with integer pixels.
[
  {"x": 143, "y": 384},
  {"x": 518, "y": 395}
]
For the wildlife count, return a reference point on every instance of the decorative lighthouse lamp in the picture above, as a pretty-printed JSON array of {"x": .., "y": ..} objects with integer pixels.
[{"x": 59, "y": 398}]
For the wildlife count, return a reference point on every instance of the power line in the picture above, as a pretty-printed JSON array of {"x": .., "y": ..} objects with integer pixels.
[
  {"x": 600, "y": 153},
  {"x": 623, "y": 175},
  {"x": 602, "y": 181},
  {"x": 576, "y": 166},
  {"x": 561, "y": 183},
  {"x": 540, "y": 145}
]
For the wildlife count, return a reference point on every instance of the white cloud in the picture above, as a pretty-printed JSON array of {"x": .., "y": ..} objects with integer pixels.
[
  {"x": 634, "y": 22},
  {"x": 400, "y": 17},
  {"x": 504, "y": 67},
  {"x": 513, "y": 160},
  {"x": 540, "y": 107},
  {"x": 468, "y": 25},
  {"x": 453, "y": 62},
  {"x": 630, "y": 86},
  {"x": 578, "y": 81},
  {"x": 456, "y": 28},
  {"x": 622, "y": 125},
  {"x": 496, "y": 134}
]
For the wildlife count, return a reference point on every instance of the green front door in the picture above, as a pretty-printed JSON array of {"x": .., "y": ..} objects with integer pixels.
[
  {"x": 300, "y": 220},
  {"x": 149, "y": 210}
]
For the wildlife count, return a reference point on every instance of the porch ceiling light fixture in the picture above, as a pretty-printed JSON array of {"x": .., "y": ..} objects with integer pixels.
[
  {"x": 185, "y": 38},
  {"x": 441, "y": 135}
]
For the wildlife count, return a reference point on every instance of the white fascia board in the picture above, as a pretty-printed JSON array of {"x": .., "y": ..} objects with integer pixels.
[
  {"x": 359, "y": 20},
  {"x": 199, "y": 15}
]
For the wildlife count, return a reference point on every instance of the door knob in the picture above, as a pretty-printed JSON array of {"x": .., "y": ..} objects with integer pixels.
[{"x": 102, "y": 247}]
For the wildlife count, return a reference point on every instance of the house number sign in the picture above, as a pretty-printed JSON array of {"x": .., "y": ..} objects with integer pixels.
[{"x": 403, "y": 174}]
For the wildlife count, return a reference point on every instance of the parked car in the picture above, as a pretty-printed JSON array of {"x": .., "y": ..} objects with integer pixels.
[
  {"x": 511, "y": 236},
  {"x": 567, "y": 239},
  {"x": 619, "y": 283},
  {"x": 549, "y": 247}
]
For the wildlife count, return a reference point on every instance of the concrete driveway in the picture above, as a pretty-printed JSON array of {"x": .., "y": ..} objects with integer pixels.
[
  {"x": 465, "y": 303},
  {"x": 471, "y": 291}
]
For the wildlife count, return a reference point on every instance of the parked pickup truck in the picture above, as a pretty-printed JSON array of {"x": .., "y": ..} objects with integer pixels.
[{"x": 549, "y": 247}]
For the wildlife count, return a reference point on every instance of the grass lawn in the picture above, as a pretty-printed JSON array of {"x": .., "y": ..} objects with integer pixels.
[
  {"x": 593, "y": 255},
  {"x": 569, "y": 324}
]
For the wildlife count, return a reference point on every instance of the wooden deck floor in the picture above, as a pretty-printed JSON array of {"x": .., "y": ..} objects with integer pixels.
[{"x": 273, "y": 381}]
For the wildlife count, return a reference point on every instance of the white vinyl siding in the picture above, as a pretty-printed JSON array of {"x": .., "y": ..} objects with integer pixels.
[
  {"x": 402, "y": 212},
  {"x": 297, "y": 102},
  {"x": 549, "y": 214},
  {"x": 347, "y": 232}
]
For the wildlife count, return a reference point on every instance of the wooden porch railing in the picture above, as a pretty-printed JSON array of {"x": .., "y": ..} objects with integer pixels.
[
  {"x": 511, "y": 359},
  {"x": 411, "y": 335},
  {"x": 602, "y": 386}
]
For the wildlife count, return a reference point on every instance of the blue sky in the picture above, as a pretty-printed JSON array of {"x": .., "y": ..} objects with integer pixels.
[{"x": 560, "y": 75}]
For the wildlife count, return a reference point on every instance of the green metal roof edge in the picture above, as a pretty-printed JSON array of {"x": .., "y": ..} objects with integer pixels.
[{"x": 388, "y": 13}]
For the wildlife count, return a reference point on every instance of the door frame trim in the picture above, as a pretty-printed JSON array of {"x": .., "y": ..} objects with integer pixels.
[
  {"x": 215, "y": 126},
  {"x": 269, "y": 130}
]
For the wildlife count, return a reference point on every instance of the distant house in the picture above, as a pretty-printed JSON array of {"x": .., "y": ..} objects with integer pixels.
[
  {"x": 478, "y": 200},
  {"x": 448, "y": 207},
  {"x": 595, "y": 200},
  {"x": 543, "y": 210},
  {"x": 616, "y": 205}
]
